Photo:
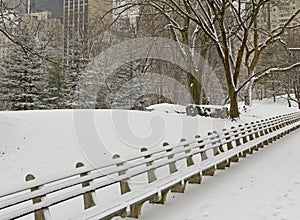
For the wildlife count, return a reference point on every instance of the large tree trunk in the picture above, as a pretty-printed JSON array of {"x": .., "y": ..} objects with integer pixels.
[
  {"x": 234, "y": 109},
  {"x": 193, "y": 83},
  {"x": 289, "y": 102},
  {"x": 195, "y": 89}
]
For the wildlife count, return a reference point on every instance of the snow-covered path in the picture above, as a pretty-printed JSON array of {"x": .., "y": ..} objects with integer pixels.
[{"x": 263, "y": 186}]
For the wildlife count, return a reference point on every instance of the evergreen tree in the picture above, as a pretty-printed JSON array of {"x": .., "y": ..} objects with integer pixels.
[
  {"x": 24, "y": 78},
  {"x": 56, "y": 91},
  {"x": 75, "y": 63}
]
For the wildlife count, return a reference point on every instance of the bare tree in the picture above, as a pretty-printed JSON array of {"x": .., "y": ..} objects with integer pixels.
[
  {"x": 264, "y": 38},
  {"x": 291, "y": 79},
  {"x": 231, "y": 25},
  {"x": 153, "y": 20},
  {"x": 10, "y": 19}
]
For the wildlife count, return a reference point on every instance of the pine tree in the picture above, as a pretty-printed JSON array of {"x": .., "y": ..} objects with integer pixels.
[
  {"x": 75, "y": 63},
  {"x": 24, "y": 78},
  {"x": 56, "y": 91}
]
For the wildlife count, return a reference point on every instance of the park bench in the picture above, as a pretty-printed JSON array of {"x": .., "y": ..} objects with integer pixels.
[{"x": 166, "y": 169}]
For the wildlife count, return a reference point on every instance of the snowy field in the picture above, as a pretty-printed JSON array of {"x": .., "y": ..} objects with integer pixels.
[
  {"x": 48, "y": 144},
  {"x": 264, "y": 186}
]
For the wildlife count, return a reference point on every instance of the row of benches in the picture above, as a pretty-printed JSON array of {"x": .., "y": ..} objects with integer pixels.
[{"x": 147, "y": 177}]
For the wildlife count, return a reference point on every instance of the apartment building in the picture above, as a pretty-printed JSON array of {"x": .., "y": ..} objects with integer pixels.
[
  {"x": 83, "y": 20},
  {"x": 276, "y": 13},
  {"x": 48, "y": 30},
  {"x": 75, "y": 21},
  {"x": 125, "y": 17},
  {"x": 87, "y": 23}
]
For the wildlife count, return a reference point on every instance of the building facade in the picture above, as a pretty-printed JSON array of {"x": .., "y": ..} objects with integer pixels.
[
  {"x": 75, "y": 21},
  {"x": 87, "y": 23},
  {"x": 276, "y": 13}
]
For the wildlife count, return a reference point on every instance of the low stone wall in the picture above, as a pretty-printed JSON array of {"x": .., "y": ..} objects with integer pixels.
[{"x": 208, "y": 111}]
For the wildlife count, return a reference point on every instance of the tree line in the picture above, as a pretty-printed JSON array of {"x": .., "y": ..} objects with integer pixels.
[{"x": 227, "y": 33}]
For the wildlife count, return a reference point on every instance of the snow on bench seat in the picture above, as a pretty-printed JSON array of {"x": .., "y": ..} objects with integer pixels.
[{"x": 185, "y": 162}]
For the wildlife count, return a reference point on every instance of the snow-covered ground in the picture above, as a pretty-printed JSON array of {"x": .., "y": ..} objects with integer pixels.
[
  {"x": 169, "y": 108},
  {"x": 264, "y": 186},
  {"x": 48, "y": 144}
]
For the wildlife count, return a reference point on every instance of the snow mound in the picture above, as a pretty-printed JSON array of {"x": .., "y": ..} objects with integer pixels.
[{"x": 168, "y": 108}]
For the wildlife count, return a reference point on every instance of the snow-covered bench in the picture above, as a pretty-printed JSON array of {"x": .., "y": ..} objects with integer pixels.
[{"x": 168, "y": 168}]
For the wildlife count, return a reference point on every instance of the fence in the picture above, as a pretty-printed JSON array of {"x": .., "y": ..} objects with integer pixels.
[{"x": 168, "y": 169}]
